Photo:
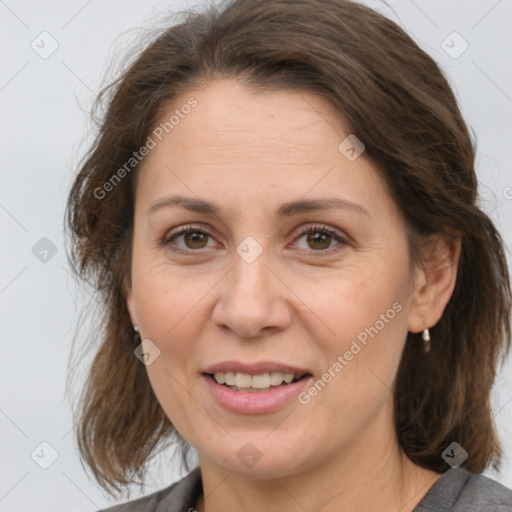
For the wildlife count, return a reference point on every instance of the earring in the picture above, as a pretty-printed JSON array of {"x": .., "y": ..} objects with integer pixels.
[
  {"x": 136, "y": 336},
  {"x": 426, "y": 339}
]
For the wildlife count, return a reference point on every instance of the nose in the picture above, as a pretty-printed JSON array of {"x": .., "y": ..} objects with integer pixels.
[{"x": 252, "y": 299}]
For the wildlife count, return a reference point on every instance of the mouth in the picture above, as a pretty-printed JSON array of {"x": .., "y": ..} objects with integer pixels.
[
  {"x": 256, "y": 383},
  {"x": 250, "y": 388}
]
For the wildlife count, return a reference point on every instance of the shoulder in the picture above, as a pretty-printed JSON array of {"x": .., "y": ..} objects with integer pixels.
[
  {"x": 483, "y": 493},
  {"x": 180, "y": 496},
  {"x": 458, "y": 490}
]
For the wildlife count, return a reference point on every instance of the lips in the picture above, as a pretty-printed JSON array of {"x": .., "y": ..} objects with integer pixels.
[
  {"x": 249, "y": 400},
  {"x": 257, "y": 368},
  {"x": 257, "y": 377},
  {"x": 254, "y": 383}
]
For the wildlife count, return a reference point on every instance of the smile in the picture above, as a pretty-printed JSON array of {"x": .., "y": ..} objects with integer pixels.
[
  {"x": 254, "y": 387},
  {"x": 262, "y": 382}
]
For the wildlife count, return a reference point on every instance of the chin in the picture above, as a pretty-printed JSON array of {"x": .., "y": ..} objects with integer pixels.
[{"x": 258, "y": 457}]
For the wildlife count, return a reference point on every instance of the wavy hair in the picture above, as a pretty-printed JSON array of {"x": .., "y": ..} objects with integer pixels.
[{"x": 395, "y": 98}]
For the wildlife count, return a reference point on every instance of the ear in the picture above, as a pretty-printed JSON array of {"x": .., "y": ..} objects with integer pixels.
[
  {"x": 128, "y": 293},
  {"x": 434, "y": 283}
]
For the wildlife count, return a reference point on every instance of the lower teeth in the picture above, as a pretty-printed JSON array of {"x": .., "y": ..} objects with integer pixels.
[{"x": 253, "y": 390}]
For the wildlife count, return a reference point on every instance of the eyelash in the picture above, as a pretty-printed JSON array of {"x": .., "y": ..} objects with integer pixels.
[{"x": 318, "y": 228}]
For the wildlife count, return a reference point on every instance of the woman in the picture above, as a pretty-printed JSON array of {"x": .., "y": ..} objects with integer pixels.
[{"x": 279, "y": 213}]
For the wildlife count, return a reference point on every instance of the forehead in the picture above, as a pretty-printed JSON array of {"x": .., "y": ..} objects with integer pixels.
[
  {"x": 255, "y": 142},
  {"x": 236, "y": 118}
]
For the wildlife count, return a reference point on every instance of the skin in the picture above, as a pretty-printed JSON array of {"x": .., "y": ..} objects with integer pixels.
[{"x": 248, "y": 153}]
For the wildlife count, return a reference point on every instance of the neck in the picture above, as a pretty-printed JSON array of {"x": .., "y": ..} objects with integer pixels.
[{"x": 372, "y": 477}]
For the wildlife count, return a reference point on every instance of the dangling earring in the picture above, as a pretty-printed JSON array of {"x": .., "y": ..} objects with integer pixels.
[
  {"x": 136, "y": 336},
  {"x": 426, "y": 339}
]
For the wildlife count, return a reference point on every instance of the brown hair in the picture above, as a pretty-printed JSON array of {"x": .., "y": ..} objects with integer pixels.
[{"x": 395, "y": 99}]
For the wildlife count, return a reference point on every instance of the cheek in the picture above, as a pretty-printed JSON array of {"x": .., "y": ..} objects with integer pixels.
[
  {"x": 167, "y": 307},
  {"x": 361, "y": 358},
  {"x": 364, "y": 307},
  {"x": 355, "y": 299},
  {"x": 167, "y": 302},
  {"x": 171, "y": 389}
]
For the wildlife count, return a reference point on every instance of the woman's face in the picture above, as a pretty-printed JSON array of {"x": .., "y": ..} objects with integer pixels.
[{"x": 252, "y": 293}]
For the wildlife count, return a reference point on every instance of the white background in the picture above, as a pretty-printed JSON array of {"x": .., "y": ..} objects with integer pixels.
[{"x": 43, "y": 122}]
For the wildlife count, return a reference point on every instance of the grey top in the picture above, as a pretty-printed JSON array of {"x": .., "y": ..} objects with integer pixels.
[{"x": 457, "y": 490}]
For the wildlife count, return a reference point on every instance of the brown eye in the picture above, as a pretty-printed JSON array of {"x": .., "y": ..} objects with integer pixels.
[
  {"x": 195, "y": 239},
  {"x": 319, "y": 239}
]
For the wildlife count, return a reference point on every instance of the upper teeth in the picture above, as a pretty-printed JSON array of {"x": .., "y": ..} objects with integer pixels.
[{"x": 261, "y": 381}]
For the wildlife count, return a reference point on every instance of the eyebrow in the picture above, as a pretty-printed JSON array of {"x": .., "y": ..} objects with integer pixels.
[{"x": 285, "y": 210}]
